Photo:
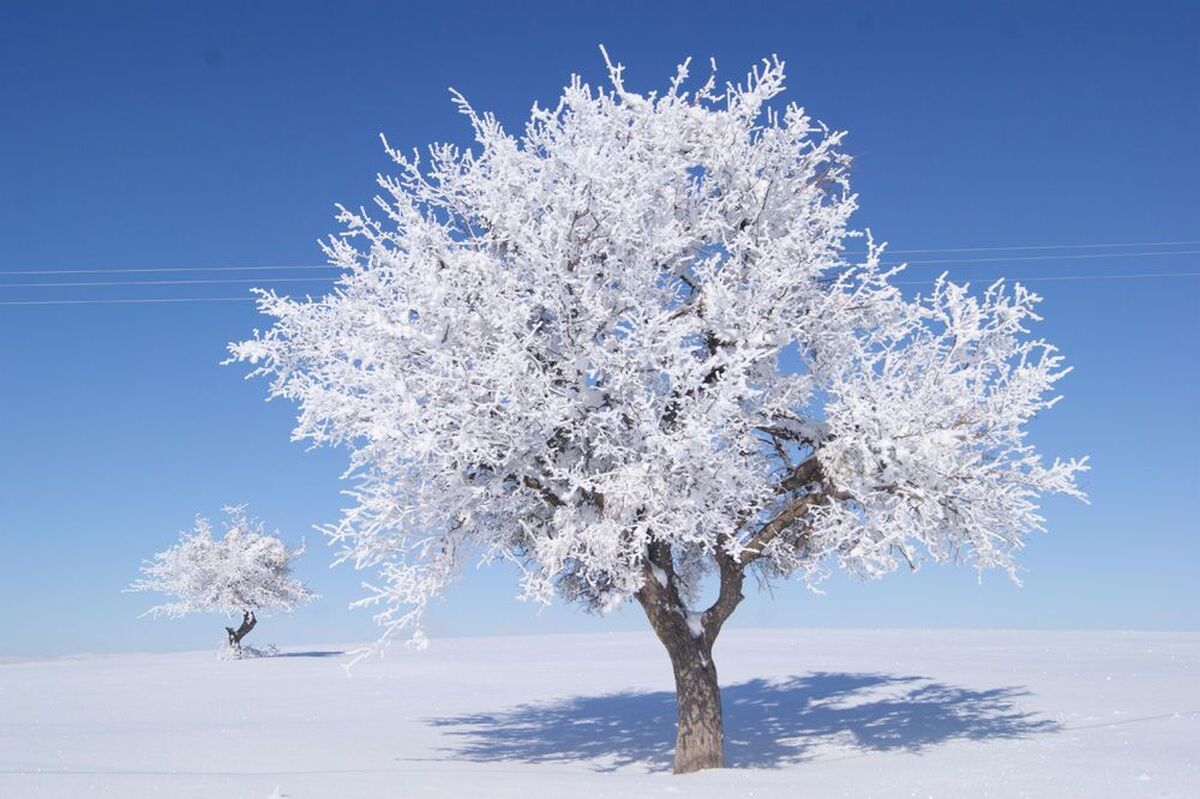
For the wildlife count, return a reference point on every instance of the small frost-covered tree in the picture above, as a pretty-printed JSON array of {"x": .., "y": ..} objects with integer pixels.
[
  {"x": 627, "y": 349},
  {"x": 244, "y": 571}
]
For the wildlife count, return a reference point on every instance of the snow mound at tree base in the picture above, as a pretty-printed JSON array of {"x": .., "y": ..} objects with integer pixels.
[{"x": 247, "y": 652}]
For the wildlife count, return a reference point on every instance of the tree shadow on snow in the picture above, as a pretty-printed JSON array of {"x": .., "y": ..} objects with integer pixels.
[
  {"x": 316, "y": 653},
  {"x": 768, "y": 723}
]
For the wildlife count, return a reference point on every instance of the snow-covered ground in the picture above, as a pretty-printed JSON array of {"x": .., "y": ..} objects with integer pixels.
[{"x": 808, "y": 714}]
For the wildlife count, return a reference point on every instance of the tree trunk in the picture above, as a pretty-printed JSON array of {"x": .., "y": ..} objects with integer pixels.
[
  {"x": 689, "y": 638},
  {"x": 698, "y": 734},
  {"x": 699, "y": 737},
  {"x": 236, "y": 636}
]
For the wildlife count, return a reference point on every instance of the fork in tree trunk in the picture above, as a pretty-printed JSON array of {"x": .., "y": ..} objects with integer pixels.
[{"x": 236, "y": 636}]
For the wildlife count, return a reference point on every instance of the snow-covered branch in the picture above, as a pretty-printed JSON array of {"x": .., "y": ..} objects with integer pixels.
[
  {"x": 634, "y": 324},
  {"x": 242, "y": 571}
]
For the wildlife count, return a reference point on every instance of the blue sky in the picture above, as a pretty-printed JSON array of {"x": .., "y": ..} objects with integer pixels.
[{"x": 153, "y": 135}]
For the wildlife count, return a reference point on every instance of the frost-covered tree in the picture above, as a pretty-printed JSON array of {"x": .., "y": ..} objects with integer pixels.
[
  {"x": 242, "y": 572},
  {"x": 628, "y": 348}
]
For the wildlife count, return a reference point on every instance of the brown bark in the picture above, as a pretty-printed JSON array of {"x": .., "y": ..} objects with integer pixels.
[
  {"x": 236, "y": 636},
  {"x": 784, "y": 520},
  {"x": 699, "y": 741},
  {"x": 689, "y": 639}
]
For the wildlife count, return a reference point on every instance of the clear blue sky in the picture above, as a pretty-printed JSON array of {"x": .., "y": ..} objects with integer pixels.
[{"x": 169, "y": 134}]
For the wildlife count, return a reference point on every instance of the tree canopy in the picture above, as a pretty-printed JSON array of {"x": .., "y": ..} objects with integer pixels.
[
  {"x": 242, "y": 571},
  {"x": 637, "y": 343}
]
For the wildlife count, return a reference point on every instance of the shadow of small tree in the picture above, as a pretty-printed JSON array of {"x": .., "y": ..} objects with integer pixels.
[{"x": 768, "y": 723}]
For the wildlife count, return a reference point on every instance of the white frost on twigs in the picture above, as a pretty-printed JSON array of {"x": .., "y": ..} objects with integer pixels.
[
  {"x": 245, "y": 569},
  {"x": 634, "y": 323}
]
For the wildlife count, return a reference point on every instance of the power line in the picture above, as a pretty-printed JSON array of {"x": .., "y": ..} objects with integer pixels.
[
  {"x": 233, "y": 281},
  {"x": 127, "y": 301},
  {"x": 1052, "y": 247},
  {"x": 1130, "y": 276},
  {"x": 140, "y": 300},
  {"x": 123, "y": 270},
  {"x": 1085, "y": 256},
  {"x": 281, "y": 267},
  {"x": 219, "y": 281}
]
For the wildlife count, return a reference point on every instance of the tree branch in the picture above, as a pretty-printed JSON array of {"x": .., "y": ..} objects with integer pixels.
[
  {"x": 772, "y": 529},
  {"x": 730, "y": 595},
  {"x": 546, "y": 493},
  {"x": 807, "y": 472}
]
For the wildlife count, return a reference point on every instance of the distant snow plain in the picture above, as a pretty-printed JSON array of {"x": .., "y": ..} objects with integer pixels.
[{"x": 809, "y": 713}]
